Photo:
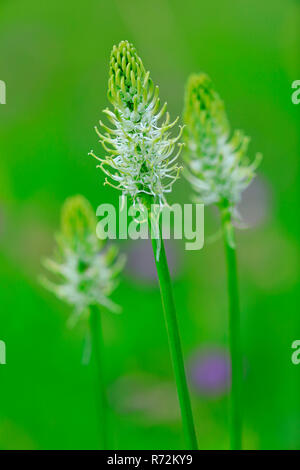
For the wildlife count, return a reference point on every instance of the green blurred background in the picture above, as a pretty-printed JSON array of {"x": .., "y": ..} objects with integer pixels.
[{"x": 54, "y": 59}]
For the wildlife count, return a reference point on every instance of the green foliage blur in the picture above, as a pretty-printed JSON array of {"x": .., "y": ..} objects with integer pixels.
[{"x": 54, "y": 59}]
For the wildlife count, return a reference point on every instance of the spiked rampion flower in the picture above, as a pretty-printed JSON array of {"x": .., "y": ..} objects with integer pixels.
[
  {"x": 218, "y": 167},
  {"x": 141, "y": 163},
  {"x": 219, "y": 170},
  {"x": 85, "y": 268},
  {"x": 140, "y": 151}
]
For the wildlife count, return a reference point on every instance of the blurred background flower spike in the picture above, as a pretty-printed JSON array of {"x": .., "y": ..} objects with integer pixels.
[
  {"x": 87, "y": 273},
  {"x": 218, "y": 170}
]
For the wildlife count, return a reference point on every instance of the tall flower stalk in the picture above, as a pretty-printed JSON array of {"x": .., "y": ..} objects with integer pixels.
[
  {"x": 85, "y": 272},
  {"x": 219, "y": 170},
  {"x": 168, "y": 303},
  {"x": 141, "y": 162},
  {"x": 234, "y": 331}
]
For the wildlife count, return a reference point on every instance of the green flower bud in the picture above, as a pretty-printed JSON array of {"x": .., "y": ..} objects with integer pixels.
[{"x": 78, "y": 223}]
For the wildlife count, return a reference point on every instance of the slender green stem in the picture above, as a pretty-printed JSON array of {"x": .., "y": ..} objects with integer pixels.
[
  {"x": 98, "y": 362},
  {"x": 234, "y": 332},
  {"x": 168, "y": 303}
]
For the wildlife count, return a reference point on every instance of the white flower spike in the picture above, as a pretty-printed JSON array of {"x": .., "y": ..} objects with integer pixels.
[
  {"x": 141, "y": 153},
  {"x": 85, "y": 268},
  {"x": 217, "y": 166}
]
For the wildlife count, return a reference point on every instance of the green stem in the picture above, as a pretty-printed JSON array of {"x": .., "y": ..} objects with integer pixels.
[
  {"x": 97, "y": 359},
  {"x": 234, "y": 332},
  {"x": 168, "y": 303}
]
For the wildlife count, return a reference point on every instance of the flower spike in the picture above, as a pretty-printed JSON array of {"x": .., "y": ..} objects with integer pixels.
[
  {"x": 219, "y": 170},
  {"x": 218, "y": 166},
  {"x": 139, "y": 148},
  {"x": 85, "y": 268}
]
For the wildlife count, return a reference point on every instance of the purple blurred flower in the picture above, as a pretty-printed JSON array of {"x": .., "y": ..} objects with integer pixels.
[
  {"x": 140, "y": 263},
  {"x": 210, "y": 371},
  {"x": 256, "y": 204}
]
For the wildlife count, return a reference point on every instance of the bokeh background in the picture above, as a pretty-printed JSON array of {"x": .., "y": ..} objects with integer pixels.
[{"x": 54, "y": 59}]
